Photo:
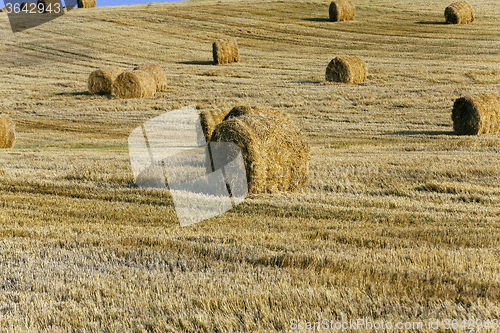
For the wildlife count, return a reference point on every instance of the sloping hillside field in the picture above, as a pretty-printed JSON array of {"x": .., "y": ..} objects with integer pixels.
[{"x": 399, "y": 223}]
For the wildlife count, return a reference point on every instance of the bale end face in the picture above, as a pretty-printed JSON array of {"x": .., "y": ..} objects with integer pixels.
[
  {"x": 346, "y": 69},
  {"x": 101, "y": 81},
  {"x": 134, "y": 84},
  {"x": 225, "y": 51},
  {"x": 7, "y": 132},
  {"x": 477, "y": 114},
  {"x": 459, "y": 13},
  {"x": 341, "y": 10}
]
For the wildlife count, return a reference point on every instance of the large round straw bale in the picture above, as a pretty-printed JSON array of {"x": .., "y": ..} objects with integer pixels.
[
  {"x": 275, "y": 152},
  {"x": 156, "y": 71},
  {"x": 209, "y": 119},
  {"x": 459, "y": 13},
  {"x": 477, "y": 114},
  {"x": 347, "y": 69},
  {"x": 45, "y": 8},
  {"x": 86, "y": 3},
  {"x": 7, "y": 132},
  {"x": 101, "y": 80},
  {"x": 134, "y": 84},
  {"x": 225, "y": 51},
  {"x": 341, "y": 10}
]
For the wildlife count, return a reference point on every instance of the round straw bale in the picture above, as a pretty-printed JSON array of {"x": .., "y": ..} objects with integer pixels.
[
  {"x": 7, "y": 132},
  {"x": 225, "y": 51},
  {"x": 134, "y": 84},
  {"x": 209, "y": 119},
  {"x": 45, "y": 8},
  {"x": 101, "y": 80},
  {"x": 477, "y": 114},
  {"x": 157, "y": 73},
  {"x": 275, "y": 152},
  {"x": 459, "y": 13},
  {"x": 86, "y": 3},
  {"x": 347, "y": 69},
  {"x": 341, "y": 10}
]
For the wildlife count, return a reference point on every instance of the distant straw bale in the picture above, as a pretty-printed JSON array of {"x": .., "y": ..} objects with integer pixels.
[
  {"x": 134, "y": 84},
  {"x": 101, "y": 81},
  {"x": 459, "y": 13},
  {"x": 158, "y": 74},
  {"x": 477, "y": 114},
  {"x": 69, "y": 7},
  {"x": 86, "y": 3},
  {"x": 341, "y": 10},
  {"x": 225, "y": 51},
  {"x": 347, "y": 69},
  {"x": 209, "y": 119},
  {"x": 275, "y": 152},
  {"x": 7, "y": 132}
]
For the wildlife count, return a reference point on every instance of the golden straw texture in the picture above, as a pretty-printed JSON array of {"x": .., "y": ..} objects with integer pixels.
[
  {"x": 101, "y": 81},
  {"x": 86, "y": 3},
  {"x": 134, "y": 84},
  {"x": 459, "y": 13},
  {"x": 341, "y": 10},
  {"x": 477, "y": 114},
  {"x": 225, "y": 51},
  {"x": 7, "y": 132},
  {"x": 156, "y": 71},
  {"x": 275, "y": 152},
  {"x": 347, "y": 69}
]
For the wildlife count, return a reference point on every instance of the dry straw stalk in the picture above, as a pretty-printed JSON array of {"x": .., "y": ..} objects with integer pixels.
[
  {"x": 7, "y": 132},
  {"x": 86, "y": 3},
  {"x": 101, "y": 81},
  {"x": 459, "y": 13},
  {"x": 225, "y": 51},
  {"x": 347, "y": 69},
  {"x": 275, "y": 152},
  {"x": 341, "y": 10},
  {"x": 156, "y": 71},
  {"x": 477, "y": 114},
  {"x": 134, "y": 84}
]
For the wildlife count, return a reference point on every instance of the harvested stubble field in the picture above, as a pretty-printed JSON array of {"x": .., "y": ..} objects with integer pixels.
[{"x": 400, "y": 222}]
